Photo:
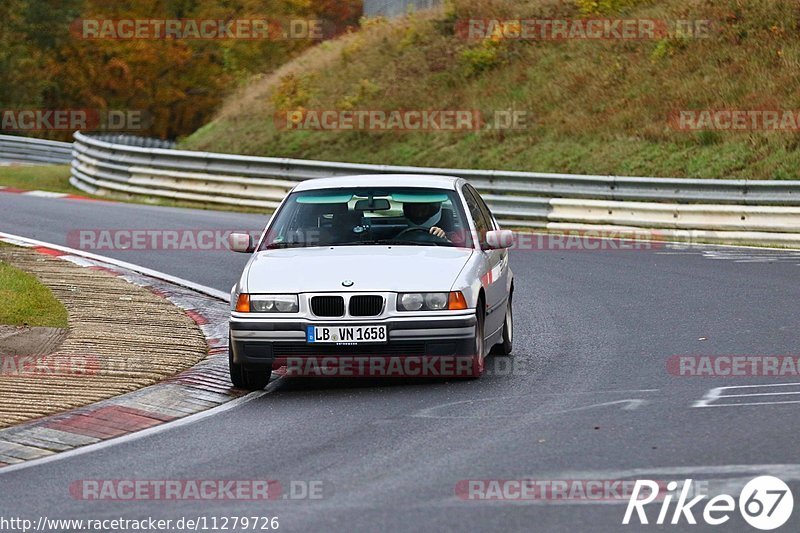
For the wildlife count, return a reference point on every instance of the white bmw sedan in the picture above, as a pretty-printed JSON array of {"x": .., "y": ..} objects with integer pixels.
[{"x": 377, "y": 275}]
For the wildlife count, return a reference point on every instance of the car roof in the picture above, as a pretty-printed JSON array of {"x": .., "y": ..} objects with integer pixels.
[{"x": 385, "y": 180}]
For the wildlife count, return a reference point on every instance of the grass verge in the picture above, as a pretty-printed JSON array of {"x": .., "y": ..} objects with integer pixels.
[
  {"x": 55, "y": 178},
  {"x": 25, "y": 301}
]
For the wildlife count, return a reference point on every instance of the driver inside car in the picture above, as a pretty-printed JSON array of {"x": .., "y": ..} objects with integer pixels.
[{"x": 427, "y": 216}]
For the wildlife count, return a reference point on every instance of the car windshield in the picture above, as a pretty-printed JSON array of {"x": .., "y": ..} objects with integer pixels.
[{"x": 369, "y": 216}]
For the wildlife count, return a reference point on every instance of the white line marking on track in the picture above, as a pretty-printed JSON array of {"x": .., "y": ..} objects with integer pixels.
[
  {"x": 717, "y": 394},
  {"x": 788, "y": 472},
  {"x": 748, "y": 404},
  {"x": 630, "y": 404},
  {"x": 760, "y": 394},
  {"x": 709, "y": 397},
  {"x": 795, "y": 384}
]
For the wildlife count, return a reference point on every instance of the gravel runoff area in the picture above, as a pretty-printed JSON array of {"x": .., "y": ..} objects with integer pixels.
[
  {"x": 24, "y": 340},
  {"x": 121, "y": 338}
]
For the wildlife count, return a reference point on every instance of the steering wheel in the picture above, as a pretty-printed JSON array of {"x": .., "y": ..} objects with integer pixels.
[{"x": 427, "y": 232}]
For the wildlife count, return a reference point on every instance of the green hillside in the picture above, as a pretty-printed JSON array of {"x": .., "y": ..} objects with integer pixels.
[{"x": 594, "y": 106}]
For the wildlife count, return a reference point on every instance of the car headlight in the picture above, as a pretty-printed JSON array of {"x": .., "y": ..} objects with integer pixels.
[
  {"x": 411, "y": 301},
  {"x": 435, "y": 301},
  {"x": 430, "y": 301},
  {"x": 267, "y": 303}
]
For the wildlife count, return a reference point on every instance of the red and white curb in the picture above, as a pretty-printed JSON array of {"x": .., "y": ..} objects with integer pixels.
[
  {"x": 200, "y": 388},
  {"x": 48, "y": 194}
]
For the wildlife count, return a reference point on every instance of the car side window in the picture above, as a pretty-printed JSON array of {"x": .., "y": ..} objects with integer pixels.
[
  {"x": 484, "y": 208},
  {"x": 482, "y": 223}
]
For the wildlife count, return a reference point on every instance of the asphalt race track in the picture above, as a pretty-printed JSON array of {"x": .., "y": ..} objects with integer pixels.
[{"x": 589, "y": 397}]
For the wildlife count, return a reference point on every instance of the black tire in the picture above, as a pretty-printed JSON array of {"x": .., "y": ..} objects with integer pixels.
[
  {"x": 479, "y": 359},
  {"x": 246, "y": 378},
  {"x": 505, "y": 347}
]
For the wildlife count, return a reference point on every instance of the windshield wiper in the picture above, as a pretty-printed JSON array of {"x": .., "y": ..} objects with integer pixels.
[
  {"x": 358, "y": 243},
  {"x": 281, "y": 245},
  {"x": 420, "y": 243}
]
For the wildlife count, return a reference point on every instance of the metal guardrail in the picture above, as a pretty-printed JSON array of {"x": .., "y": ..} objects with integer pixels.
[
  {"x": 513, "y": 190},
  {"x": 522, "y": 199},
  {"x": 766, "y": 212},
  {"x": 134, "y": 140},
  {"x": 26, "y": 150}
]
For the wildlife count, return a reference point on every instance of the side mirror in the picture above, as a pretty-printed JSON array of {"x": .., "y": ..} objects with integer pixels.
[
  {"x": 500, "y": 239},
  {"x": 241, "y": 242}
]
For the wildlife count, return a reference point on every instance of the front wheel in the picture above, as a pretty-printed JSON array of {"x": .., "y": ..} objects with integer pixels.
[
  {"x": 505, "y": 347},
  {"x": 246, "y": 378},
  {"x": 480, "y": 342}
]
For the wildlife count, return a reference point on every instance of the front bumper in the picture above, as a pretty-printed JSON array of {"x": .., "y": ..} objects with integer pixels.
[{"x": 268, "y": 342}]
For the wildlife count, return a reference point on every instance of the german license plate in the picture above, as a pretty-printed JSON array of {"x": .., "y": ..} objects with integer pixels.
[{"x": 346, "y": 334}]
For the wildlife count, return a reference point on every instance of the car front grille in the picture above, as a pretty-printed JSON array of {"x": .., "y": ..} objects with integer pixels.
[
  {"x": 366, "y": 305},
  {"x": 327, "y": 305}
]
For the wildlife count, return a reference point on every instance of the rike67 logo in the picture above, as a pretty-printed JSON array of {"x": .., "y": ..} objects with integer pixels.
[{"x": 765, "y": 503}]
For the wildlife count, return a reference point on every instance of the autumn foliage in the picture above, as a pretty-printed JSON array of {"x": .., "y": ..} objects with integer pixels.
[{"x": 178, "y": 83}]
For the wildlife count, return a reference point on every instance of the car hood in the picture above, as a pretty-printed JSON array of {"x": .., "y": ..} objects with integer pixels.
[{"x": 370, "y": 268}]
